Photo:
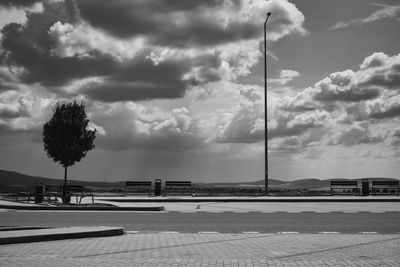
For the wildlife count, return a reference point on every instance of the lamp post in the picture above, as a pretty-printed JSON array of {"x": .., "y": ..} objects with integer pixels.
[{"x": 265, "y": 103}]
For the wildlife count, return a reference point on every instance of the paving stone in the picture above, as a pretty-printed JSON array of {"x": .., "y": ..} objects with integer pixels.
[{"x": 209, "y": 250}]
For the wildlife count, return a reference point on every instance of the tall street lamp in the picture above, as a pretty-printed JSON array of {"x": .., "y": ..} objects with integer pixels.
[{"x": 265, "y": 103}]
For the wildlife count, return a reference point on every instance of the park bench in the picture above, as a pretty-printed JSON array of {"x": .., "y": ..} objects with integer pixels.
[
  {"x": 178, "y": 187},
  {"x": 344, "y": 186},
  {"x": 25, "y": 195},
  {"x": 137, "y": 186},
  {"x": 78, "y": 191},
  {"x": 388, "y": 186},
  {"x": 52, "y": 191}
]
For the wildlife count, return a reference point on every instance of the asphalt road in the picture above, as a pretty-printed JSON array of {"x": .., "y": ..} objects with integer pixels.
[{"x": 227, "y": 222}]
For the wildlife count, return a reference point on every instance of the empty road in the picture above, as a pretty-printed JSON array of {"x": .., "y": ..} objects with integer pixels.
[{"x": 224, "y": 222}]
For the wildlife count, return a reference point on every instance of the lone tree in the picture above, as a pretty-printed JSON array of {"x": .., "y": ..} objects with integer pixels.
[{"x": 66, "y": 137}]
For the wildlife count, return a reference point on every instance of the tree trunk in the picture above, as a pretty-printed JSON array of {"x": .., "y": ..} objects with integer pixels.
[{"x": 65, "y": 197}]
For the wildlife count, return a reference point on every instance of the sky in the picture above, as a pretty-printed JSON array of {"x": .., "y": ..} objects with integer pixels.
[{"x": 175, "y": 89}]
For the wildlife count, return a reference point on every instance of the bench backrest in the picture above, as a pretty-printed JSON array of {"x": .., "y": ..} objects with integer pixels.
[
  {"x": 388, "y": 183},
  {"x": 343, "y": 183},
  {"x": 52, "y": 188},
  {"x": 76, "y": 188},
  {"x": 137, "y": 183},
  {"x": 178, "y": 183}
]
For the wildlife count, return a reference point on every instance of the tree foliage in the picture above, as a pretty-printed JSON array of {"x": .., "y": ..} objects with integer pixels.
[{"x": 66, "y": 136}]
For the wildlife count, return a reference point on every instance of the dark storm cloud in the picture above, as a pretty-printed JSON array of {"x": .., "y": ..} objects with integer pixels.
[
  {"x": 356, "y": 135},
  {"x": 35, "y": 56},
  {"x": 283, "y": 131},
  {"x": 203, "y": 33},
  {"x": 119, "y": 18},
  {"x": 163, "y": 22},
  {"x": 6, "y": 84},
  {"x": 5, "y": 87},
  {"x": 125, "y": 91},
  {"x": 164, "y": 142},
  {"x": 141, "y": 79},
  {"x": 143, "y": 69},
  {"x": 383, "y": 70},
  {"x": 10, "y": 114},
  {"x": 392, "y": 112},
  {"x": 18, "y": 3},
  {"x": 388, "y": 80},
  {"x": 30, "y": 45},
  {"x": 34, "y": 134},
  {"x": 179, "y": 5},
  {"x": 352, "y": 95}
]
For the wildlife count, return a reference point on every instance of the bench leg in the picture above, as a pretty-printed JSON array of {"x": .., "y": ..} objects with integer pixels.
[{"x": 80, "y": 200}]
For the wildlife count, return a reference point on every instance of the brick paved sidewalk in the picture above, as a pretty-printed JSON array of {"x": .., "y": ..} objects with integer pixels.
[{"x": 161, "y": 249}]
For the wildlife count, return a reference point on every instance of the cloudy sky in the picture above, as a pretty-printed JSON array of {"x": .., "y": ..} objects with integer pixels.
[{"x": 175, "y": 88}]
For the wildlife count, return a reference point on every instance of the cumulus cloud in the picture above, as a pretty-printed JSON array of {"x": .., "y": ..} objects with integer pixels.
[
  {"x": 313, "y": 153},
  {"x": 29, "y": 47},
  {"x": 24, "y": 111},
  {"x": 151, "y": 50},
  {"x": 18, "y": 3},
  {"x": 338, "y": 87},
  {"x": 130, "y": 126},
  {"x": 394, "y": 137},
  {"x": 200, "y": 23},
  {"x": 285, "y": 76},
  {"x": 355, "y": 135},
  {"x": 385, "y": 108},
  {"x": 347, "y": 108},
  {"x": 8, "y": 81},
  {"x": 292, "y": 124},
  {"x": 379, "y": 70},
  {"x": 246, "y": 124},
  {"x": 385, "y": 12},
  {"x": 365, "y": 93},
  {"x": 286, "y": 19},
  {"x": 300, "y": 102},
  {"x": 340, "y": 110}
]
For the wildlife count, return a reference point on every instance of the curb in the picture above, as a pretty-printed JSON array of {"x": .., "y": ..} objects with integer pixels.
[
  {"x": 17, "y": 228},
  {"x": 83, "y": 208},
  {"x": 256, "y": 200},
  {"x": 40, "y": 235}
]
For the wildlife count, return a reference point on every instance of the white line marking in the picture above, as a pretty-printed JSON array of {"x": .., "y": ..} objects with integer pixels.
[
  {"x": 288, "y": 232},
  {"x": 368, "y": 233},
  {"x": 169, "y": 232},
  {"x": 132, "y": 232},
  {"x": 208, "y": 232},
  {"x": 250, "y": 232},
  {"x": 328, "y": 232}
]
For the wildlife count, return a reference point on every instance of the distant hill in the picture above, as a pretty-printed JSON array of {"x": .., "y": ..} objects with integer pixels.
[
  {"x": 242, "y": 184},
  {"x": 304, "y": 184},
  {"x": 13, "y": 182}
]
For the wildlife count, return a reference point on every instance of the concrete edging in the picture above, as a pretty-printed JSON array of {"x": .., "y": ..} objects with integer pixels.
[
  {"x": 14, "y": 237},
  {"x": 82, "y": 208},
  {"x": 257, "y": 200}
]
